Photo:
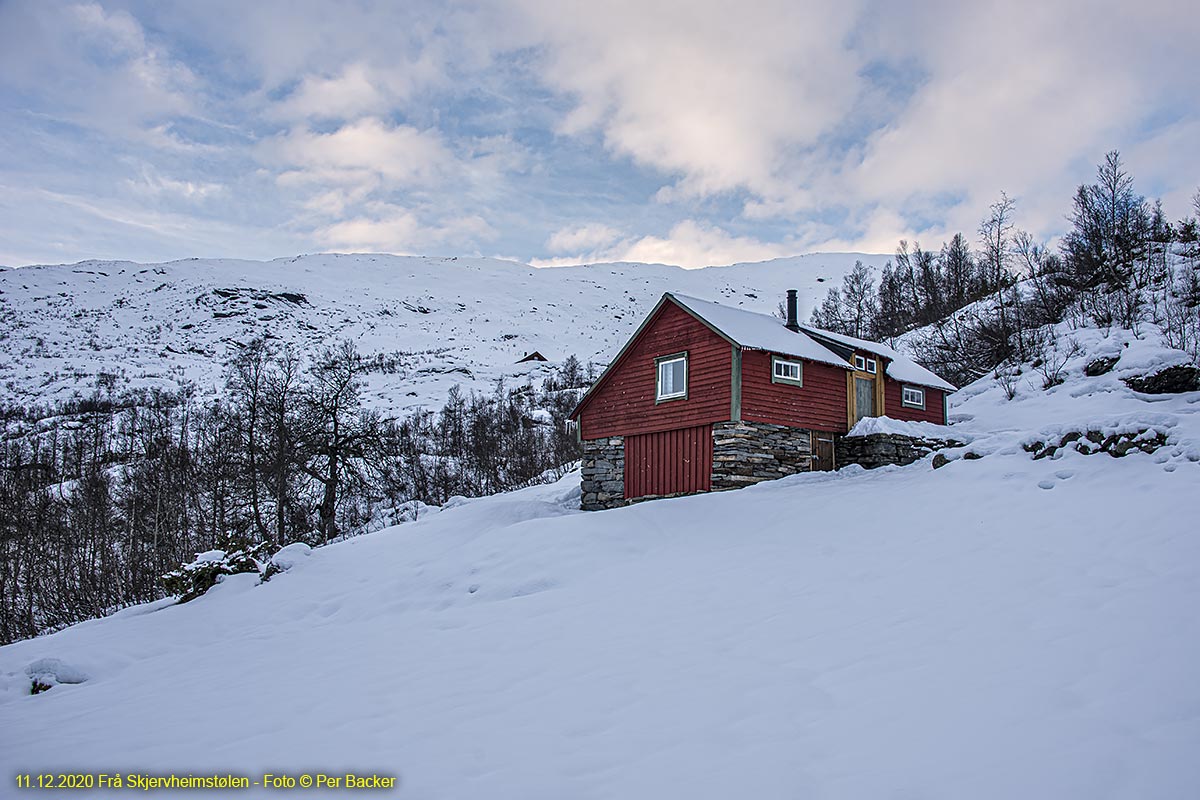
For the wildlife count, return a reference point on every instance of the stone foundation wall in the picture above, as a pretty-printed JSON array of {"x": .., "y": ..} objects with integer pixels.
[
  {"x": 746, "y": 453},
  {"x": 878, "y": 449},
  {"x": 602, "y": 473}
]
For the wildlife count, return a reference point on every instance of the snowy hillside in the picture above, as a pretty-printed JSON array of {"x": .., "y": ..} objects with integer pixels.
[
  {"x": 447, "y": 321},
  {"x": 1000, "y": 627}
]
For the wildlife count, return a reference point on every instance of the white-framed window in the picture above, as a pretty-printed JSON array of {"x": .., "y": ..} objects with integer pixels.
[
  {"x": 913, "y": 397},
  {"x": 860, "y": 363},
  {"x": 785, "y": 371},
  {"x": 672, "y": 377},
  {"x": 872, "y": 365}
]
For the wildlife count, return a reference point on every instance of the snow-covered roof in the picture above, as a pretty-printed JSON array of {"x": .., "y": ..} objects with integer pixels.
[
  {"x": 756, "y": 331},
  {"x": 902, "y": 368},
  {"x": 759, "y": 331}
]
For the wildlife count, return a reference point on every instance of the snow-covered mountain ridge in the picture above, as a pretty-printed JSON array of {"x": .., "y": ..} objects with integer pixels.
[
  {"x": 438, "y": 321},
  {"x": 1003, "y": 626}
]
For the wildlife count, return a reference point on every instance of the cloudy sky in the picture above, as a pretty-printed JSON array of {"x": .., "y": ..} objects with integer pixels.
[{"x": 550, "y": 132}]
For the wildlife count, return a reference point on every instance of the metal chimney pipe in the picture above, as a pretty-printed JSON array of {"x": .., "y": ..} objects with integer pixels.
[{"x": 792, "y": 323}]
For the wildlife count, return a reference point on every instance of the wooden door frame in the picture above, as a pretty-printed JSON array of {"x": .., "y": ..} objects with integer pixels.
[{"x": 851, "y": 397}]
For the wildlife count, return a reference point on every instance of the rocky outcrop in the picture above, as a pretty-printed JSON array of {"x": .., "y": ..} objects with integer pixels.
[
  {"x": 745, "y": 453},
  {"x": 1100, "y": 366},
  {"x": 1180, "y": 378},
  {"x": 602, "y": 473},
  {"x": 1116, "y": 445}
]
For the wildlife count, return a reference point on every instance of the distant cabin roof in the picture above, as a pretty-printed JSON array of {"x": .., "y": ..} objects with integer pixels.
[{"x": 755, "y": 331}]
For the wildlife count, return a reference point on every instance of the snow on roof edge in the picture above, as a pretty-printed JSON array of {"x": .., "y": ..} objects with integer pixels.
[
  {"x": 755, "y": 331},
  {"x": 901, "y": 367}
]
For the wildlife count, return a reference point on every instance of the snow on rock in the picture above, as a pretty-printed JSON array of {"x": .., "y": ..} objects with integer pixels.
[
  {"x": 291, "y": 555},
  {"x": 868, "y": 426},
  {"x": 53, "y": 671}
]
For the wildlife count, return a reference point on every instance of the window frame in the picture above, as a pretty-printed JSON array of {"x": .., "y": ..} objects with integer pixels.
[
  {"x": 904, "y": 395},
  {"x": 872, "y": 365},
  {"x": 860, "y": 363},
  {"x": 777, "y": 378},
  {"x": 659, "y": 397}
]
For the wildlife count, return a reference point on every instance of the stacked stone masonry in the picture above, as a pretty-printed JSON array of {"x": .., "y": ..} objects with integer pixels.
[
  {"x": 878, "y": 449},
  {"x": 746, "y": 453},
  {"x": 603, "y": 473}
]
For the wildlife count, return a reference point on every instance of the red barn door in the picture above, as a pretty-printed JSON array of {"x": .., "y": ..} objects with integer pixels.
[{"x": 670, "y": 462}]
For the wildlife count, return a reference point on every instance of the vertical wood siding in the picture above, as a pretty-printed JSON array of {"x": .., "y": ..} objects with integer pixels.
[
  {"x": 669, "y": 462},
  {"x": 895, "y": 408},
  {"x": 625, "y": 402},
  {"x": 820, "y": 403}
]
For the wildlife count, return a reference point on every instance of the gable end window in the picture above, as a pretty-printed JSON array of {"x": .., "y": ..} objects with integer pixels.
[
  {"x": 860, "y": 363},
  {"x": 871, "y": 366},
  {"x": 784, "y": 371},
  {"x": 671, "y": 383},
  {"x": 913, "y": 397}
]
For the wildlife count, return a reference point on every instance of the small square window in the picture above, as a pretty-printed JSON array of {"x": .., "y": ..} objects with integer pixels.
[
  {"x": 784, "y": 371},
  {"x": 672, "y": 377},
  {"x": 913, "y": 398},
  {"x": 871, "y": 366}
]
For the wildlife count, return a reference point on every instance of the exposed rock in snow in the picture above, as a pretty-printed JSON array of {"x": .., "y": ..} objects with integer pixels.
[
  {"x": 53, "y": 671},
  {"x": 1179, "y": 378}
]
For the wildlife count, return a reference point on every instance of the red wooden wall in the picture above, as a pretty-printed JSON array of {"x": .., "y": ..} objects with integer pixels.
[
  {"x": 819, "y": 404},
  {"x": 894, "y": 407},
  {"x": 624, "y": 402},
  {"x": 669, "y": 462}
]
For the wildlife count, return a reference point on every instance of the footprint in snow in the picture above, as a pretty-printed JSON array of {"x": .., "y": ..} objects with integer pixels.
[{"x": 1046, "y": 484}]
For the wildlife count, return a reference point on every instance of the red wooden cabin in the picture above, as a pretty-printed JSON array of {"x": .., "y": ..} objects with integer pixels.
[{"x": 706, "y": 396}]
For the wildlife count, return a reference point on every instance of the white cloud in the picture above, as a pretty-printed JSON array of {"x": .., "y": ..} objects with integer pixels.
[
  {"x": 351, "y": 93},
  {"x": 715, "y": 93},
  {"x": 845, "y": 124},
  {"x": 98, "y": 65},
  {"x": 689, "y": 244},
  {"x": 588, "y": 237},
  {"x": 392, "y": 229},
  {"x": 372, "y": 185},
  {"x": 874, "y": 111},
  {"x": 401, "y": 154},
  {"x": 151, "y": 183}
]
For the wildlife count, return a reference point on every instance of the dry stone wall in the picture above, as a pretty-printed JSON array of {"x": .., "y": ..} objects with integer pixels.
[
  {"x": 878, "y": 449},
  {"x": 745, "y": 453},
  {"x": 603, "y": 473}
]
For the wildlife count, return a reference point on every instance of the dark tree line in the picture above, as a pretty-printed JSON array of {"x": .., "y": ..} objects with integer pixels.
[
  {"x": 102, "y": 497},
  {"x": 965, "y": 311}
]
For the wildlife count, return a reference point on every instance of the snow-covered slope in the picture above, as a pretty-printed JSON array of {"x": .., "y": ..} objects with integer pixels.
[
  {"x": 997, "y": 628},
  {"x": 463, "y": 320}
]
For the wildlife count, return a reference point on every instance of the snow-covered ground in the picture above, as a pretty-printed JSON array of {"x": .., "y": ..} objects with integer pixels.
[
  {"x": 997, "y": 628},
  {"x": 464, "y": 320}
]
